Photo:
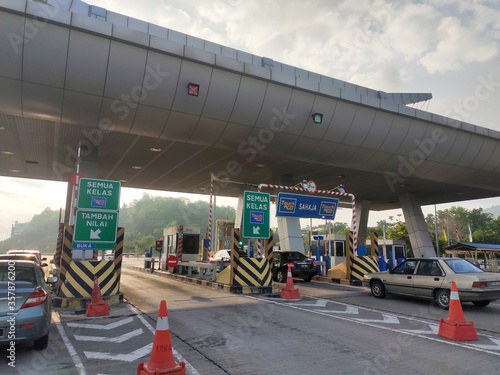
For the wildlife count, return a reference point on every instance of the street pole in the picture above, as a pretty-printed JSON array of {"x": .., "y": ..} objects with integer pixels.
[{"x": 436, "y": 222}]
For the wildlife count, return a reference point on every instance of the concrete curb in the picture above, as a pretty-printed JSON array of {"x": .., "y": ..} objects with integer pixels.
[
  {"x": 212, "y": 284},
  {"x": 81, "y": 303},
  {"x": 338, "y": 281}
]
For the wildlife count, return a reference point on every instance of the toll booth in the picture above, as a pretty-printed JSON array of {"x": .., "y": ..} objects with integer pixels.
[
  {"x": 337, "y": 248},
  {"x": 190, "y": 243}
]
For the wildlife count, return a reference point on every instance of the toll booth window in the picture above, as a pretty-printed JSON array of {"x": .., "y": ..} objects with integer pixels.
[
  {"x": 191, "y": 245},
  {"x": 339, "y": 249},
  {"x": 400, "y": 252}
]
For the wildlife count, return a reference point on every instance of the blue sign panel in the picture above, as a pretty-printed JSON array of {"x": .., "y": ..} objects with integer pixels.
[
  {"x": 256, "y": 217},
  {"x": 98, "y": 202},
  {"x": 306, "y": 206},
  {"x": 83, "y": 245}
]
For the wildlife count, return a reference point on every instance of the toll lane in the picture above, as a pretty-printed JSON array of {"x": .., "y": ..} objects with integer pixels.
[{"x": 221, "y": 333}]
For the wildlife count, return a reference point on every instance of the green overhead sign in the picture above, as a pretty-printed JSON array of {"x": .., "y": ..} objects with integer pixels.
[
  {"x": 98, "y": 194},
  {"x": 95, "y": 226},
  {"x": 256, "y": 214}
]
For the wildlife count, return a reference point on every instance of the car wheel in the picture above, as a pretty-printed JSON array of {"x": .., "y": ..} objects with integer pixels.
[
  {"x": 481, "y": 303},
  {"x": 378, "y": 289},
  {"x": 443, "y": 298},
  {"x": 280, "y": 276},
  {"x": 307, "y": 279},
  {"x": 41, "y": 343}
]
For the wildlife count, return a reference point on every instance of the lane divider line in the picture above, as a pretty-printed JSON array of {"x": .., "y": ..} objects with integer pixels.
[
  {"x": 105, "y": 327},
  {"x": 118, "y": 339},
  {"x": 71, "y": 349}
]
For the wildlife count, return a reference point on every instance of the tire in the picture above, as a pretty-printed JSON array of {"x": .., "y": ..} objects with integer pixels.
[
  {"x": 41, "y": 343},
  {"x": 280, "y": 276},
  {"x": 307, "y": 279},
  {"x": 443, "y": 298},
  {"x": 481, "y": 303},
  {"x": 378, "y": 289}
]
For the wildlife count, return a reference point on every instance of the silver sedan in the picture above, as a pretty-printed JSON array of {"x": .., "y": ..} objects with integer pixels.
[{"x": 430, "y": 278}]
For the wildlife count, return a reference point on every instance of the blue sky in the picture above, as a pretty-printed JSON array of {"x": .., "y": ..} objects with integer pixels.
[{"x": 449, "y": 48}]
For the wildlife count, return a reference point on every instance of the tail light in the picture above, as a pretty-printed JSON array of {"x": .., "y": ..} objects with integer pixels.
[
  {"x": 314, "y": 263},
  {"x": 36, "y": 298},
  {"x": 291, "y": 264},
  {"x": 479, "y": 284}
]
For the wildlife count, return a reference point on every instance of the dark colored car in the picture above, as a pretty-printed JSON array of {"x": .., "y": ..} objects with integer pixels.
[
  {"x": 300, "y": 265},
  {"x": 25, "y": 303}
]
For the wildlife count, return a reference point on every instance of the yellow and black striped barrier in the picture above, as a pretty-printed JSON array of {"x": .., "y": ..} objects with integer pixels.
[
  {"x": 363, "y": 265},
  {"x": 252, "y": 272},
  {"x": 268, "y": 247},
  {"x": 235, "y": 256},
  {"x": 374, "y": 244},
  {"x": 76, "y": 278}
]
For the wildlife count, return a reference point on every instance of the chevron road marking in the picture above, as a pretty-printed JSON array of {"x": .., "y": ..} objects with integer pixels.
[
  {"x": 319, "y": 303},
  {"x": 495, "y": 346},
  {"x": 105, "y": 327},
  {"x": 128, "y": 357},
  {"x": 434, "y": 329},
  {"x": 391, "y": 319},
  {"x": 483, "y": 348},
  {"x": 348, "y": 310},
  {"x": 118, "y": 339}
]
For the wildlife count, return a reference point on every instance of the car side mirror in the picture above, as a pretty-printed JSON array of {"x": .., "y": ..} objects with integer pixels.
[
  {"x": 52, "y": 280},
  {"x": 44, "y": 258},
  {"x": 391, "y": 270}
]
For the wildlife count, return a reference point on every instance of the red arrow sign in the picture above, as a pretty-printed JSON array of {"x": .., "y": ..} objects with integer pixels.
[{"x": 172, "y": 261}]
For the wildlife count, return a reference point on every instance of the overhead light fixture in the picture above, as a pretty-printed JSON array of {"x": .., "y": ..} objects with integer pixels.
[
  {"x": 7, "y": 152},
  {"x": 136, "y": 167},
  {"x": 14, "y": 170},
  {"x": 340, "y": 188},
  {"x": 260, "y": 165},
  {"x": 340, "y": 176},
  {"x": 193, "y": 89},
  {"x": 317, "y": 118},
  {"x": 31, "y": 162},
  {"x": 123, "y": 181},
  {"x": 2, "y": 128},
  {"x": 155, "y": 149}
]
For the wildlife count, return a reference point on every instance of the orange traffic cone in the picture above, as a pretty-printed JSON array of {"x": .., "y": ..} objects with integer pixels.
[
  {"x": 97, "y": 306},
  {"x": 290, "y": 292},
  {"x": 456, "y": 327},
  {"x": 162, "y": 359}
]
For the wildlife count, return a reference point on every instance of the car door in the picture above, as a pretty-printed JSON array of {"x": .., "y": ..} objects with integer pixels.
[
  {"x": 400, "y": 280},
  {"x": 428, "y": 277}
]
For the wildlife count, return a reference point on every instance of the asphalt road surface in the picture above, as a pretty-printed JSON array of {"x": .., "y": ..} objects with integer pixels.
[{"x": 333, "y": 329}]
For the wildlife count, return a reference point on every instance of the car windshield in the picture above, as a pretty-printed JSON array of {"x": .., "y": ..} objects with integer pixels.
[
  {"x": 461, "y": 266},
  {"x": 294, "y": 255},
  {"x": 32, "y": 258},
  {"x": 16, "y": 272}
]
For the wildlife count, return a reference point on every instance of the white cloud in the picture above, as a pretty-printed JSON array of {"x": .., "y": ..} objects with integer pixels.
[{"x": 458, "y": 46}]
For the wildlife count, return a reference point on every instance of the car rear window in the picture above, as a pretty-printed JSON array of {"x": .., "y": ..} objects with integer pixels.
[
  {"x": 16, "y": 272},
  {"x": 294, "y": 255},
  {"x": 461, "y": 266}
]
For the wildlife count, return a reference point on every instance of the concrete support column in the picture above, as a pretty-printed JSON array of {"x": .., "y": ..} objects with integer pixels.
[
  {"x": 238, "y": 220},
  {"x": 417, "y": 228},
  {"x": 290, "y": 234},
  {"x": 362, "y": 213}
]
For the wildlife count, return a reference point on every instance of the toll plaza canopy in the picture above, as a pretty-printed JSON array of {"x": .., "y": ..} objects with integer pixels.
[{"x": 159, "y": 109}]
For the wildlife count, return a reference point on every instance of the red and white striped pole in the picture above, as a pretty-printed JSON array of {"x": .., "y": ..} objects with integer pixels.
[
  {"x": 180, "y": 243},
  {"x": 210, "y": 217},
  {"x": 259, "y": 247},
  {"x": 328, "y": 192}
]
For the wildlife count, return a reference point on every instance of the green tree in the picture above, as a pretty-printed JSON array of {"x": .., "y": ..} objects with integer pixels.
[{"x": 400, "y": 232}]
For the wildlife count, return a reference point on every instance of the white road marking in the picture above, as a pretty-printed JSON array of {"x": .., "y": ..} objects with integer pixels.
[
  {"x": 71, "y": 349},
  {"x": 434, "y": 329},
  {"x": 348, "y": 310},
  {"x": 369, "y": 324},
  {"x": 118, "y": 339},
  {"x": 391, "y": 319},
  {"x": 128, "y": 357},
  {"x": 319, "y": 303},
  {"x": 105, "y": 327},
  {"x": 176, "y": 354},
  {"x": 495, "y": 346}
]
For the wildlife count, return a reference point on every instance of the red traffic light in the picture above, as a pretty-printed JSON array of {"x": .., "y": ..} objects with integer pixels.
[{"x": 159, "y": 245}]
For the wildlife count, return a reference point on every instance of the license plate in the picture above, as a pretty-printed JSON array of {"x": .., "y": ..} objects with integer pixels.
[
  {"x": 494, "y": 283},
  {"x": 1, "y": 332}
]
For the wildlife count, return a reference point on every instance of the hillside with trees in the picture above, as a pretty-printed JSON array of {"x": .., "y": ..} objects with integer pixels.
[{"x": 143, "y": 220}]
